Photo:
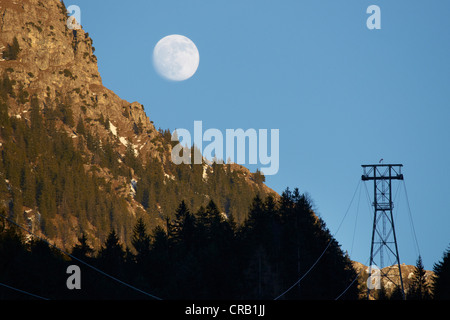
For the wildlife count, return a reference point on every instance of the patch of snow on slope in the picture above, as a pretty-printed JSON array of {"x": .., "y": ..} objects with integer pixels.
[
  {"x": 113, "y": 128},
  {"x": 124, "y": 141}
]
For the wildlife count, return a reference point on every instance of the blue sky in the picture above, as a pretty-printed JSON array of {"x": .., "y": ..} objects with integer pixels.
[{"x": 340, "y": 94}]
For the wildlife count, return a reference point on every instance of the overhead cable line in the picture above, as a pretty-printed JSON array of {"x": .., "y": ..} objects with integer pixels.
[
  {"x": 23, "y": 291},
  {"x": 410, "y": 218},
  {"x": 351, "y": 283},
  {"x": 323, "y": 252}
]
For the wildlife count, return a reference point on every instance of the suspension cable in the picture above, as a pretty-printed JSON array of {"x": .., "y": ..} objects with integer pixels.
[
  {"x": 323, "y": 252},
  {"x": 411, "y": 219},
  {"x": 23, "y": 291}
]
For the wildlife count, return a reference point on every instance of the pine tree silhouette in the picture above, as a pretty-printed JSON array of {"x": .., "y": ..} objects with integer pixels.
[
  {"x": 82, "y": 250},
  {"x": 141, "y": 242},
  {"x": 419, "y": 289},
  {"x": 111, "y": 256},
  {"x": 441, "y": 279}
]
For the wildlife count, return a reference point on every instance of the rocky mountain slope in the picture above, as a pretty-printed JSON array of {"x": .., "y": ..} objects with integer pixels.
[
  {"x": 392, "y": 272},
  {"x": 50, "y": 70}
]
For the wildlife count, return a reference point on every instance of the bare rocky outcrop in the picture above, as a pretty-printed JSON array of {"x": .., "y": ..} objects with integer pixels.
[
  {"x": 55, "y": 61},
  {"x": 392, "y": 272}
]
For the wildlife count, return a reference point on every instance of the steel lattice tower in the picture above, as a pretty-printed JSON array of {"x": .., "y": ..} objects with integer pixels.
[{"x": 384, "y": 241}]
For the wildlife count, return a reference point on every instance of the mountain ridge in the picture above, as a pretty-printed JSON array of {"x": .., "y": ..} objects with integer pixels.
[{"x": 407, "y": 276}]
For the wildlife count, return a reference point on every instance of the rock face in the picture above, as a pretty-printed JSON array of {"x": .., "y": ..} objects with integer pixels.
[
  {"x": 56, "y": 61},
  {"x": 48, "y": 47},
  {"x": 58, "y": 66}
]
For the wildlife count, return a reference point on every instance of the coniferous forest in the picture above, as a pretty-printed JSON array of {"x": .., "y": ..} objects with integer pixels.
[
  {"x": 46, "y": 173},
  {"x": 200, "y": 255},
  {"x": 203, "y": 256}
]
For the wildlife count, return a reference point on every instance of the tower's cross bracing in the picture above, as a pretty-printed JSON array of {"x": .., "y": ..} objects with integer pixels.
[{"x": 384, "y": 240}]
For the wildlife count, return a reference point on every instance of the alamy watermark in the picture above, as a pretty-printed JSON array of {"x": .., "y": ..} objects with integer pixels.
[
  {"x": 74, "y": 280},
  {"x": 374, "y": 280},
  {"x": 74, "y": 20},
  {"x": 214, "y": 146},
  {"x": 374, "y": 21}
]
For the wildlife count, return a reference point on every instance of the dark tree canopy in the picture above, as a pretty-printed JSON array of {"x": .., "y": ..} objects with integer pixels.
[
  {"x": 200, "y": 255},
  {"x": 441, "y": 281}
]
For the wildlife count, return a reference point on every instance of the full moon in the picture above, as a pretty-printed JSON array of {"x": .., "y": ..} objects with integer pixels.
[{"x": 176, "y": 57}]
